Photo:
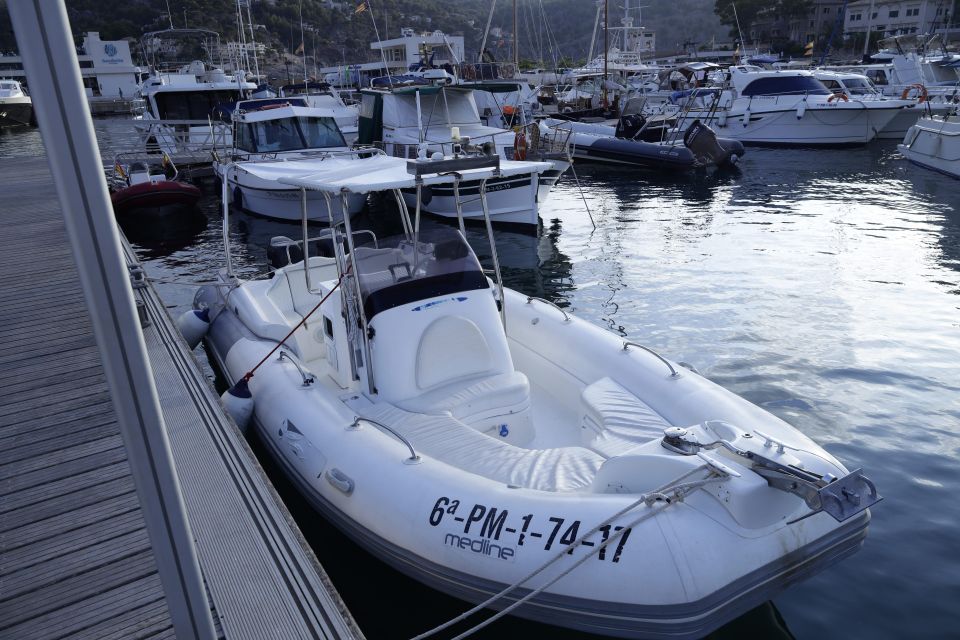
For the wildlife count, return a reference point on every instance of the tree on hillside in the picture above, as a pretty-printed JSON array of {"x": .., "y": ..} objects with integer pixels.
[{"x": 748, "y": 11}]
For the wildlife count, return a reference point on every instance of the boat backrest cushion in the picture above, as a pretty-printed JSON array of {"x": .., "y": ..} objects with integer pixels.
[
  {"x": 435, "y": 342},
  {"x": 451, "y": 348}
]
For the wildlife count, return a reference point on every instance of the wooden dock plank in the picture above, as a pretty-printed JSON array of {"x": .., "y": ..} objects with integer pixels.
[{"x": 75, "y": 559}]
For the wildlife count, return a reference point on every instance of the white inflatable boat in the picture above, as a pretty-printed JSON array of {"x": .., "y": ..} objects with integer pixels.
[{"x": 499, "y": 449}]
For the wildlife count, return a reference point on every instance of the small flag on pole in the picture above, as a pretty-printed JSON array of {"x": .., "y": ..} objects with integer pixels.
[
  {"x": 361, "y": 7},
  {"x": 808, "y": 50},
  {"x": 169, "y": 169},
  {"x": 299, "y": 50},
  {"x": 118, "y": 170}
]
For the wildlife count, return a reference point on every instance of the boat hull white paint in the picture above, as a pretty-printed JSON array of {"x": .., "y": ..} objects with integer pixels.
[
  {"x": 828, "y": 124},
  {"x": 514, "y": 200},
  {"x": 934, "y": 143}
]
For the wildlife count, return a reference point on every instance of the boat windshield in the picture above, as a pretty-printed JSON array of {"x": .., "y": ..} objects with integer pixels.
[
  {"x": 785, "y": 86},
  {"x": 289, "y": 134},
  {"x": 396, "y": 273},
  {"x": 859, "y": 86}
]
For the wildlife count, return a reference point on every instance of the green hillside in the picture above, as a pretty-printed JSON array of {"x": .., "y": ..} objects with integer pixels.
[{"x": 547, "y": 28}]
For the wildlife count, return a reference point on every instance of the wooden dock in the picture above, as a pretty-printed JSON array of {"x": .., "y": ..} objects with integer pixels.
[{"x": 75, "y": 558}]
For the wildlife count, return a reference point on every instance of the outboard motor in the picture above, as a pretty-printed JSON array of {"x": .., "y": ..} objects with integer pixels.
[
  {"x": 629, "y": 126},
  {"x": 708, "y": 148}
]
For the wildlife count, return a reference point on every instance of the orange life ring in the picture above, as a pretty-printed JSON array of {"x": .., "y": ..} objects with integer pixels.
[
  {"x": 922, "y": 94},
  {"x": 520, "y": 146},
  {"x": 839, "y": 96}
]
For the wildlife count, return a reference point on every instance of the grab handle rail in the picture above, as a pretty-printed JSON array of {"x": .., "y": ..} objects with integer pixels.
[
  {"x": 566, "y": 316},
  {"x": 413, "y": 459},
  {"x": 308, "y": 378},
  {"x": 673, "y": 372}
]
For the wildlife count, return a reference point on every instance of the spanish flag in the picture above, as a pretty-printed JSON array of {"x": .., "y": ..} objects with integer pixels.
[
  {"x": 808, "y": 50},
  {"x": 361, "y": 7},
  {"x": 118, "y": 170},
  {"x": 299, "y": 50}
]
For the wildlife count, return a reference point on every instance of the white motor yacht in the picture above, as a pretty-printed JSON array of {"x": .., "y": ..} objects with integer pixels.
[
  {"x": 859, "y": 86},
  {"x": 322, "y": 95},
  {"x": 501, "y": 450},
  {"x": 790, "y": 108},
  {"x": 271, "y": 138},
  {"x": 934, "y": 142},
  {"x": 415, "y": 121},
  {"x": 16, "y": 107},
  {"x": 180, "y": 98}
]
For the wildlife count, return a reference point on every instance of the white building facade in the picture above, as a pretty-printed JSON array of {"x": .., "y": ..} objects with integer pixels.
[
  {"x": 401, "y": 52},
  {"x": 895, "y": 17},
  {"x": 106, "y": 67}
]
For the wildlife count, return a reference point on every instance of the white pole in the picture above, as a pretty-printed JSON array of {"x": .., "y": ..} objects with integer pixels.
[
  {"x": 866, "y": 40},
  {"x": 50, "y": 61}
]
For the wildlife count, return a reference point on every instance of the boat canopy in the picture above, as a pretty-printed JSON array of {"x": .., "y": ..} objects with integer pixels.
[{"x": 383, "y": 173}]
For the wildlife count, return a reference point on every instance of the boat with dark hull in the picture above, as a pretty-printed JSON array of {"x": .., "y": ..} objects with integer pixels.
[
  {"x": 144, "y": 189},
  {"x": 16, "y": 107},
  {"x": 624, "y": 144}
]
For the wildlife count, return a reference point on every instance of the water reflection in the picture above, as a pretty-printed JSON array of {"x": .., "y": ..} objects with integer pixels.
[
  {"x": 819, "y": 284},
  {"x": 161, "y": 233}
]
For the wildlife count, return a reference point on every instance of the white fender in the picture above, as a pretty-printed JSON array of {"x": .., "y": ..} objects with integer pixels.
[
  {"x": 193, "y": 325},
  {"x": 722, "y": 119},
  {"x": 801, "y": 109},
  {"x": 746, "y": 117},
  {"x": 238, "y": 402}
]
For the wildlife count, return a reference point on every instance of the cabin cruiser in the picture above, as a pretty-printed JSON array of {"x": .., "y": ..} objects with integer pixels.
[
  {"x": 322, "y": 95},
  {"x": 276, "y": 137},
  {"x": 787, "y": 108},
  {"x": 858, "y": 85},
  {"x": 934, "y": 142},
  {"x": 181, "y": 97},
  {"x": 16, "y": 107},
  {"x": 501, "y": 450},
  {"x": 421, "y": 120}
]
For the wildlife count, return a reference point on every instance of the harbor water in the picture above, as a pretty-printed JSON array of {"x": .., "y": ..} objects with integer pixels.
[{"x": 822, "y": 285}]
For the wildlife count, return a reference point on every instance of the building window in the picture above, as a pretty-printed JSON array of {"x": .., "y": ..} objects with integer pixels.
[
  {"x": 826, "y": 9},
  {"x": 893, "y": 13},
  {"x": 874, "y": 17}
]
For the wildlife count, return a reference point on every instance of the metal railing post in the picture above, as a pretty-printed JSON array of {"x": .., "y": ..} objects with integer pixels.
[{"x": 50, "y": 61}]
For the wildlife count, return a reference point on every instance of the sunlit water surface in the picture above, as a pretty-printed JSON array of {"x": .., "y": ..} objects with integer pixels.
[{"x": 820, "y": 285}]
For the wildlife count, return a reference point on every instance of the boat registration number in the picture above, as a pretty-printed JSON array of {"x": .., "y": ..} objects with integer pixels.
[{"x": 495, "y": 533}]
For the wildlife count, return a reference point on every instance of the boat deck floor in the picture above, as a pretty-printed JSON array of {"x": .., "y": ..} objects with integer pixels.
[{"x": 75, "y": 557}]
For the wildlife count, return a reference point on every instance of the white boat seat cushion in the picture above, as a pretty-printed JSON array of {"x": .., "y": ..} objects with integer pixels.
[
  {"x": 615, "y": 421},
  {"x": 481, "y": 397},
  {"x": 449, "y": 440}
]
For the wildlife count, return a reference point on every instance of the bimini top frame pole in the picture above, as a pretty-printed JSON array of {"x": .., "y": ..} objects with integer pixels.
[{"x": 50, "y": 60}]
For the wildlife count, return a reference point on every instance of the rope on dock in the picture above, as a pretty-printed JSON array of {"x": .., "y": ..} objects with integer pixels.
[{"x": 676, "y": 487}]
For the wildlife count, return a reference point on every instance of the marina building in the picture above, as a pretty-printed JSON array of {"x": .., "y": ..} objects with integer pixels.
[
  {"x": 396, "y": 55},
  {"x": 895, "y": 17},
  {"x": 110, "y": 78}
]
